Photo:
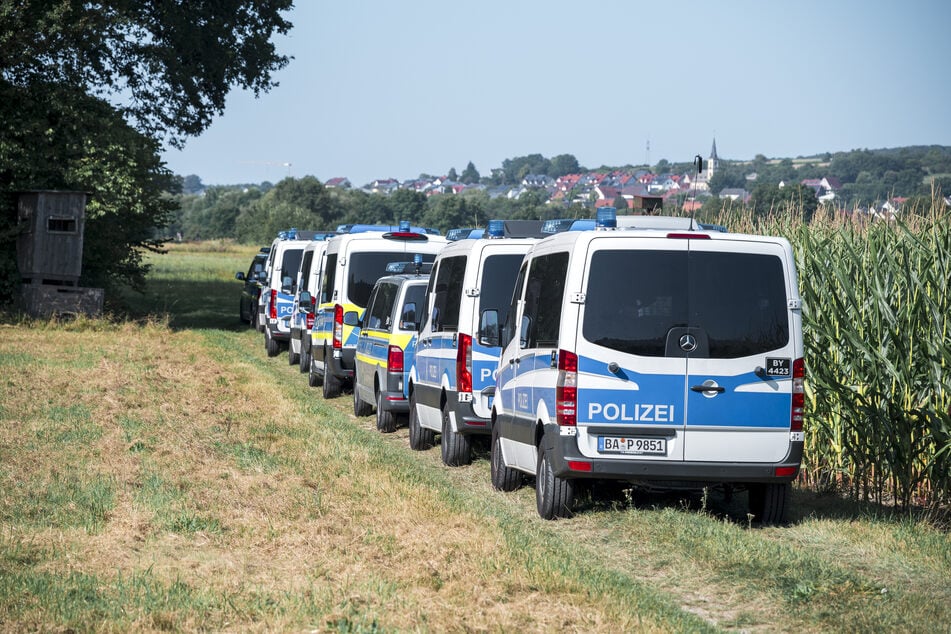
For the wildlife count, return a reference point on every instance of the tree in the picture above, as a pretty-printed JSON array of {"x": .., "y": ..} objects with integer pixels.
[
  {"x": 172, "y": 62},
  {"x": 169, "y": 64},
  {"x": 452, "y": 175},
  {"x": 563, "y": 164},
  {"x": 470, "y": 175}
]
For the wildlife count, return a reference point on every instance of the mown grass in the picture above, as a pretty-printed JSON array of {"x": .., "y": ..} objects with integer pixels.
[{"x": 156, "y": 477}]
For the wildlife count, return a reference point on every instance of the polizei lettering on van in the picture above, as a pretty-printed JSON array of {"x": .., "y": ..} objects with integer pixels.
[{"x": 631, "y": 412}]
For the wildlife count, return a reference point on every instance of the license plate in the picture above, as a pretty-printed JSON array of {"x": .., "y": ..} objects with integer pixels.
[{"x": 632, "y": 446}]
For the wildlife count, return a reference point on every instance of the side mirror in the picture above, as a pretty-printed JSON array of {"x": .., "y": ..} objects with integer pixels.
[
  {"x": 239, "y": 276},
  {"x": 489, "y": 327},
  {"x": 287, "y": 285},
  {"x": 306, "y": 300},
  {"x": 351, "y": 318},
  {"x": 408, "y": 317}
]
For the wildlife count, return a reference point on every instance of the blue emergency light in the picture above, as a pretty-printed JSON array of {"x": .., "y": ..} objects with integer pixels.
[
  {"x": 606, "y": 218},
  {"x": 496, "y": 229},
  {"x": 404, "y": 225}
]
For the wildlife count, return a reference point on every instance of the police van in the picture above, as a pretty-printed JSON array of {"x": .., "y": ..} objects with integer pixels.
[
  {"x": 653, "y": 356},
  {"x": 386, "y": 345},
  {"x": 277, "y": 297},
  {"x": 352, "y": 265},
  {"x": 307, "y": 284},
  {"x": 452, "y": 382}
]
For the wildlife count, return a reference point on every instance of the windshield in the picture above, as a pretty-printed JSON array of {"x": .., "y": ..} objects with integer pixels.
[{"x": 366, "y": 267}]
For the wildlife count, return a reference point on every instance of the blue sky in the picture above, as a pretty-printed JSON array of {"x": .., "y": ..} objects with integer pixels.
[{"x": 382, "y": 89}]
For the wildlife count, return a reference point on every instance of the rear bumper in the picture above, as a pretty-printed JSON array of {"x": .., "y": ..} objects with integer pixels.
[{"x": 564, "y": 449}]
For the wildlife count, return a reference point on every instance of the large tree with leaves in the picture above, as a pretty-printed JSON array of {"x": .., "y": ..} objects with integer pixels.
[{"x": 90, "y": 92}]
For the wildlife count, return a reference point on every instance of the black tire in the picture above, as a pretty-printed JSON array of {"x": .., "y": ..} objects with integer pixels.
[
  {"x": 769, "y": 502},
  {"x": 503, "y": 478},
  {"x": 385, "y": 420},
  {"x": 554, "y": 496},
  {"x": 293, "y": 358},
  {"x": 271, "y": 345},
  {"x": 313, "y": 379},
  {"x": 419, "y": 437},
  {"x": 360, "y": 407},
  {"x": 304, "y": 361},
  {"x": 332, "y": 385},
  {"x": 456, "y": 448}
]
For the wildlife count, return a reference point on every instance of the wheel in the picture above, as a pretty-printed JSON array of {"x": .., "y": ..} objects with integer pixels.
[
  {"x": 768, "y": 502},
  {"x": 456, "y": 448},
  {"x": 419, "y": 437},
  {"x": 332, "y": 385},
  {"x": 293, "y": 358},
  {"x": 503, "y": 478},
  {"x": 385, "y": 420},
  {"x": 304, "y": 361},
  {"x": 360, "y": 407},
  {"x": 313, "y": 379},
  {"x": 271, "y": 345},
  {"x": 554, "y": 496}
]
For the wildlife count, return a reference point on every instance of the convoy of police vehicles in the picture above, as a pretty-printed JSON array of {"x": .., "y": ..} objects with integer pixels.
[{"x": 650, "y": 350}]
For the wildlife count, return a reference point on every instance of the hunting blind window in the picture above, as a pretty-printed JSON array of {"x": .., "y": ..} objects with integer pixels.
[{"x": 61, "y": 225}]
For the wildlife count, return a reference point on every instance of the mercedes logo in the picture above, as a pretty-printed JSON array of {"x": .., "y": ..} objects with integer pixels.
[{"x": 688, "y": 343}]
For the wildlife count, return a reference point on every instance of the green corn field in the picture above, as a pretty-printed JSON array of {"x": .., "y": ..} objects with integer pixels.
[{"x": 877, "y": 329}]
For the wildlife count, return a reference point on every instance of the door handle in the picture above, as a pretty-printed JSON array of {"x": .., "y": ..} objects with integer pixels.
[{"x": 708, "y": 388}]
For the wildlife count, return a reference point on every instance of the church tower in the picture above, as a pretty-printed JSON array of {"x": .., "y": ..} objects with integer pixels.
[{"x": 713, "y": 163}]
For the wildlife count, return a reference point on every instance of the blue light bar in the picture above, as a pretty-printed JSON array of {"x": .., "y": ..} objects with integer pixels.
[
  {"x": 606, "y": 218},
  {"x": 418, "y": 259},
  {"x": 404, "y": 225},
  {"x": 496, "y": 229}
]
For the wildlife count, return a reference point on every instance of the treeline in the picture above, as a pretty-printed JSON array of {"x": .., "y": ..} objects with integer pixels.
[
  {"x": 866, "y": 176},
  {"x": 251, "y": 214}
]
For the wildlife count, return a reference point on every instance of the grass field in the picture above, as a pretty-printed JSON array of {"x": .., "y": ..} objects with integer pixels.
[{"x": 163, "y": 474}]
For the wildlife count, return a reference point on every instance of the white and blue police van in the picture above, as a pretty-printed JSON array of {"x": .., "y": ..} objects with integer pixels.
[
  {"x": 276, "y": 302},
  {"x": 452, "y": 379},
  {"x": 652, "y": 356},
  {"x": 352, "y": 264},
  {"x": 306, "y": 286}
]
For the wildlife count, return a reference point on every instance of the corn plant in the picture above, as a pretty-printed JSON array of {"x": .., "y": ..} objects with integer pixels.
[{"x": 877, "y": 330}]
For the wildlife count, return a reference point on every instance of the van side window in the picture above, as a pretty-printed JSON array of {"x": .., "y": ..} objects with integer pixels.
[
  {"x": 330, "y": 274},
  {"x": 305, "y": 269},
  {"x": 447, "y": 294},
  {"x": 508, "y": 325},
  {"x": 381, "y": 307},
  {"x": 544, "y": 293}
]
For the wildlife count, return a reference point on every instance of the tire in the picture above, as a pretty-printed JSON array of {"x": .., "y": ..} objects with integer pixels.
[
  {"x": 419, "y": 437},
  {"x": 554, "y": 496},
  {"x": 293, "y": 358},
  {"x": 385, "y": 420},
  {"x": 456, "y": 448},
  {"x": 332, "y": 385},
  {"x": 769, "y": 502},
  {"x": 503, "y": 478},
  {"x": 360, "y": 407},
  {"x": 271, "y": 345},
  {"x": 313, "y": 379},
  {"x": 304, "y": 361}
]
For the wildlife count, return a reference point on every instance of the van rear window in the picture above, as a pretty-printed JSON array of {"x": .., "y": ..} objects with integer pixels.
[
  {"x": 364, "y": 268},
  {"x": 634, "y": 298}
]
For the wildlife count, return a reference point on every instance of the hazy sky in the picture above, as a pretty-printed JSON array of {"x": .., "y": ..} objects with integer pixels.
[{"x": 384, "y": 89}]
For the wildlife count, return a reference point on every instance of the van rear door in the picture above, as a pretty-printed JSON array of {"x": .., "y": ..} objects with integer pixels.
[{"x": 739, "y": 376}]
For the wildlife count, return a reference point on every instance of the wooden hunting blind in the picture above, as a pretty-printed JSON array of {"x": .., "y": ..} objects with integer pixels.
[{"x": 50, "y": 253}]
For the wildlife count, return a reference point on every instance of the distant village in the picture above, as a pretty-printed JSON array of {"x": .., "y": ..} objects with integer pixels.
[{"x": 640, "y": 188}]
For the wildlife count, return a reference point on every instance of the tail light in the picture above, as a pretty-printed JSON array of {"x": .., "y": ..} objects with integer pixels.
[
  {"x": 273, "y": 308},
  {"x": 310, "y": 320},
  {"x": 464, "y": 364},
  {"x": 566, "y": 389},
  {"x": 338, "y": 327},
  {"x": 394, "y": 359},
  {"x": 798, "y": 395}
]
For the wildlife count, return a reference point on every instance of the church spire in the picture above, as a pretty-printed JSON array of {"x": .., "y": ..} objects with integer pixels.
[{"x": 713, "y": 150}]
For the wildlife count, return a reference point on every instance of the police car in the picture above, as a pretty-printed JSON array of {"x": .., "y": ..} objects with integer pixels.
[
  {"x": 452, "y": 382},
  {"x": 652, "y": 356},
  {"x": 277, "y": 297},
  {"x": 352, "y": 265},
  {"x": 386, "y": 345},
  {"x": 307, "y": 283}
]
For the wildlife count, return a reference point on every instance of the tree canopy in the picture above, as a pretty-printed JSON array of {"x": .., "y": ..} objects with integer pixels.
[{"x": 90, "y": 92}]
